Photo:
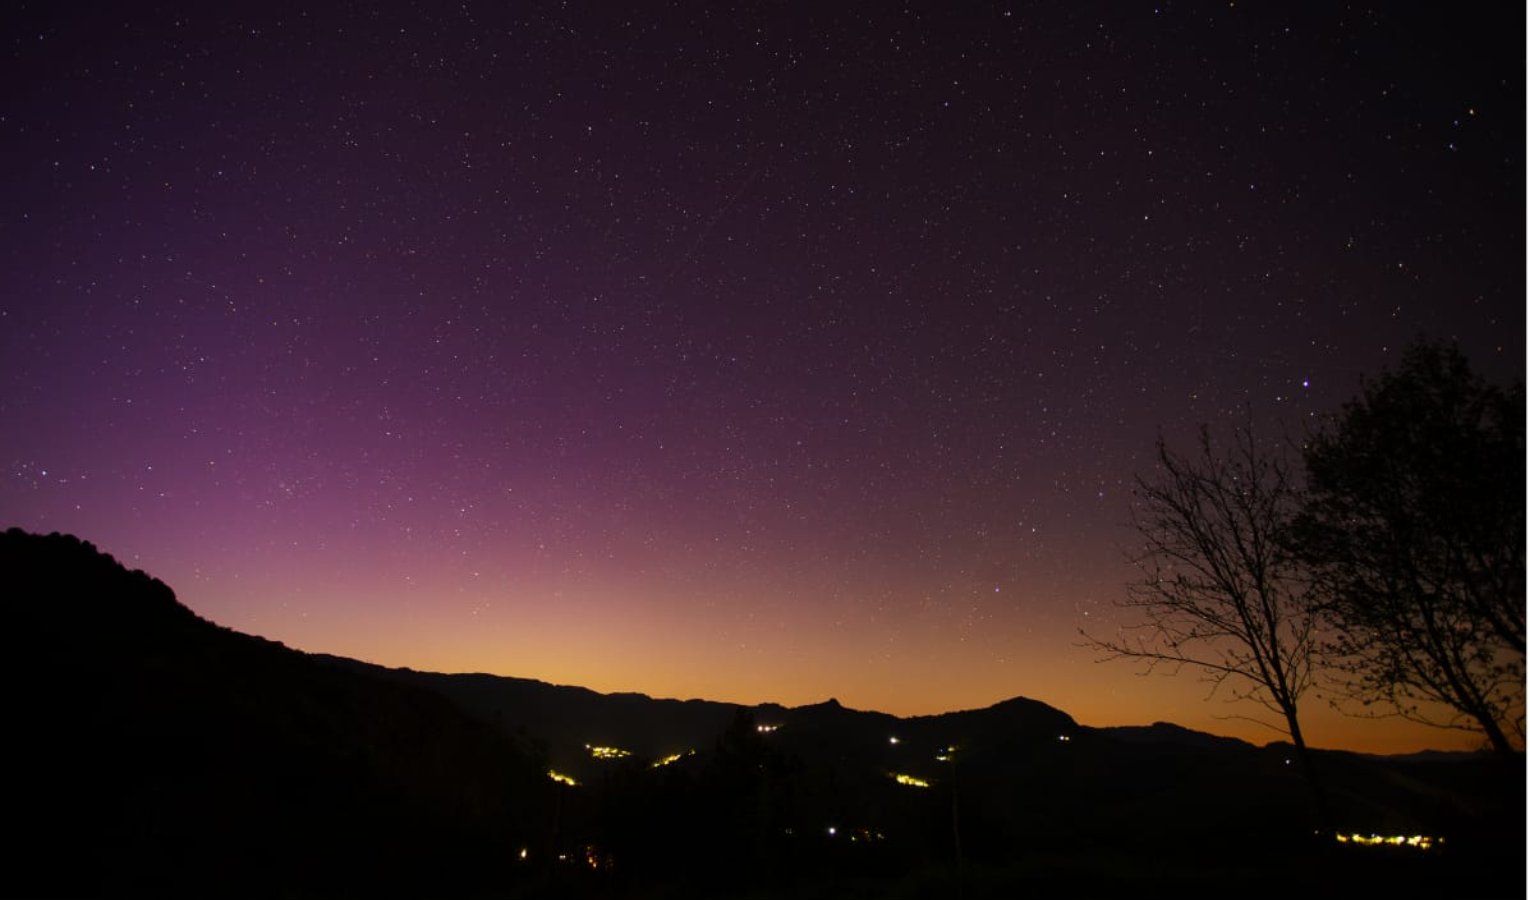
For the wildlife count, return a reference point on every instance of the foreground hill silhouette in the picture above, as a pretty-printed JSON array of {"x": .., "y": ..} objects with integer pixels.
[{"x": 153, "y": 752}]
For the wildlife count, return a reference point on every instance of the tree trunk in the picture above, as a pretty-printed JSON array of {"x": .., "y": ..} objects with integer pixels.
[
  {"x": 1321, "y": 811},
  {"x": 1496, "y": 737}
]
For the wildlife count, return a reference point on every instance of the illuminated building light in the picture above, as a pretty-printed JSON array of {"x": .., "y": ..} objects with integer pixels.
[
  {"x": 1064, "y": 738},
  {"x": 942, "y": 758},
  {"x": 672, "y": 758},
  {"x": 766, "y": 729},
  {"x": 892, "y": 740},
  {"x": 910, "y": 780},
  {"x": 523, "y": 853},
  {"x": 561, "y": 778},
  {"x": 1417, "y": 841},
  {"x": 607, "y": 752},
  {"x": 833, "y": 831}
]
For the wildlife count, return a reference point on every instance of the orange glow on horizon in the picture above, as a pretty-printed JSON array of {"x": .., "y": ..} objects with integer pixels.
[{"x": 657, "y": 646}]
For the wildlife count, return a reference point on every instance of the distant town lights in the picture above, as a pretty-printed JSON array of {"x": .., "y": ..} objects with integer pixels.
[
  {"x": 672, "y": 758},
  {"x": 1418, "y": 841},
  {"x": 607, "y": 752}
]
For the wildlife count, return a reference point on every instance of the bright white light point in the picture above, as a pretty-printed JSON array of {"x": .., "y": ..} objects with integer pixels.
[
  {"x": 892, "y": 740},
  {"x": 832, "y": 831},
  {"x": 1306, "y": 383}
]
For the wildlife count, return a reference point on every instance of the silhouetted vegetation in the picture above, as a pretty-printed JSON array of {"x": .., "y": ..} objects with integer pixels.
[
  {"x": 1219, "y": 591},
  {"x": 1414, "y": 525},
  {"x": 153, "y": 753}
]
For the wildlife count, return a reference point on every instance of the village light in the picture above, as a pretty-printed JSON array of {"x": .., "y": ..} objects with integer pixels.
[
  {"x": 672, "y": 758},
  {"x": 1417, "y": 841}
]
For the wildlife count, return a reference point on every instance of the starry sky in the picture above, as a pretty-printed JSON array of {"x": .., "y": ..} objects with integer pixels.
[{"x": 739, "y": 351}]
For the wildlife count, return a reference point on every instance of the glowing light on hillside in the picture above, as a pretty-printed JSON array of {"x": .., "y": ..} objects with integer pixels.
[
  {"x": 910, "y": 780},
  {"x": 561, "y": 778},
  {"x": 672, "y": 758},
  {"x": 1418, "y": 841},
  {"x": 892, "y": 740},
  {"x": 1064, "y": 738},
  {"x": 766, "y": 729},
  {"x": 607, "y": 752}
]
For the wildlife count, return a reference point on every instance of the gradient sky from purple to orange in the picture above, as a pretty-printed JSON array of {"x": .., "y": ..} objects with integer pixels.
[{"x": 747, "y": 353}]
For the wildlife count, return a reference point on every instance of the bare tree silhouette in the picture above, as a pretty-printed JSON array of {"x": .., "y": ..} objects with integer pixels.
[{"x": 1219, "y": 591}]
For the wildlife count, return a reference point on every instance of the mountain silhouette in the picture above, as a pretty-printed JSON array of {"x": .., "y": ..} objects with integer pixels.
[{"x": 153, "y": 752}]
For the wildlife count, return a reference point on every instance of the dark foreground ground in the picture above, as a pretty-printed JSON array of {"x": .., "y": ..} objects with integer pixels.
[
  {"x": 1124, "y": 873},
  {"x": 149, "y": 753}
]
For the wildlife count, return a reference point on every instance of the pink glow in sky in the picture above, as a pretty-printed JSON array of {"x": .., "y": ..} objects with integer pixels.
[{"x": 750, "y": 354}]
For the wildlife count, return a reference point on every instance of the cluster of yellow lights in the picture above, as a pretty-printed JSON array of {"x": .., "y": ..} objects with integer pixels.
[
  {"x": 910, "y": 780},
  {"x": 766, "y": 729},
  {"x": 1421, "y": 841},
  {"x": 561, "y": 778},
  {"x": 607, "y": 752},
  {"x": 672, "y": 758}
]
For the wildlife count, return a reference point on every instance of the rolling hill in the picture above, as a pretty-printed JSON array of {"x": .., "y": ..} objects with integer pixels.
[{"x": 153, "y": 752}]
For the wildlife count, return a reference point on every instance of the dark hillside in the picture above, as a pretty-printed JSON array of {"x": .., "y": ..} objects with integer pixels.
[
  {"x": 151, "y": 751},
  {"x": 154, "y": 753}
]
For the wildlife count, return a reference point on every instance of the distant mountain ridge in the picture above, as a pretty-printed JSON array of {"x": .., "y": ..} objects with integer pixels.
[
  {"x": 153, "y": 752},
  {"x": 570, "y": 718}
]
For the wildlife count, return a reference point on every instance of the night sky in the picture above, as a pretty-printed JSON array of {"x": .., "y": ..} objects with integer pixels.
[{"x": 776, "y": 352}]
